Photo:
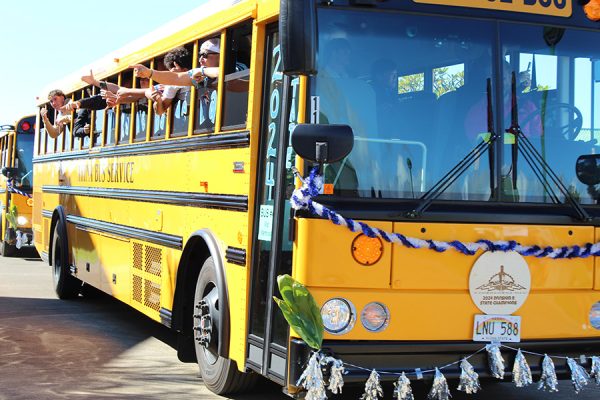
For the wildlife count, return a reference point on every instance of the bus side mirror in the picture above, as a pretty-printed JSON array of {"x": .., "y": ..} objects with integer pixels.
[
  {"x": 298, "y": 32},
  {"x": 587, "y": 168},
  {"x": 9, "y": 172},
  {"x": 322, "y": 143}
]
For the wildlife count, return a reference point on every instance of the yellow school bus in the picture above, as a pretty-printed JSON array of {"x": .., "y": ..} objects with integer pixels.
[
  {"x": 461, "y": 134},
  {"x": 16, "y": 183}
]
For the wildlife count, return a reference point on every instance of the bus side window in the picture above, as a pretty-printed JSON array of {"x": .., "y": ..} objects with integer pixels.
[
  {"x": 179, "y": 111},
  {"x": 50, "y": 142},
  {"x": 125, "y": 117},
  {"x": 97, "y": 124},
  {"x": 237, "y": 75},
  {"x": 3, "y": 151},
  {"x": 141, "y": 110},
  {"x": 205, "y": 103},
  {"x": 111, "y": 119},
  {"x": 41, "y": 137},
  {"x": 68, "y": 133},
  {"x": 159, "y": 122}
]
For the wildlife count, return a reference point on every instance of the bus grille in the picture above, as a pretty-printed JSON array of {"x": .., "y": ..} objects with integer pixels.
[
  {"x": 137, "y": 255},
  {"x": 147, "y": 271}
]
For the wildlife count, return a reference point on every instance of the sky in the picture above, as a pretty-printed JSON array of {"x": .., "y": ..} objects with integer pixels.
[{"x": 42, "y": 41}]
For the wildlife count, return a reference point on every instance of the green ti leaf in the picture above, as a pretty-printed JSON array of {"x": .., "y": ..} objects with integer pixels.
[
  {"x": 12, "y": 216},
  {"x": 300, "y": 311}
]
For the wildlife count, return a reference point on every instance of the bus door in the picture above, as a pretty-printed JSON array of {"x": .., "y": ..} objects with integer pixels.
[{"x": 272, "y": 242}]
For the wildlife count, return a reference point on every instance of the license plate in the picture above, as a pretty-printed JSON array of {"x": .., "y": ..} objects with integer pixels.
[{"x": 497, "y": 328}]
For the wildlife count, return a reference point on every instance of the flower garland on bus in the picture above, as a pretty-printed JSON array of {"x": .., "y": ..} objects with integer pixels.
[
  {"x": 10, "y": 186},
  {"x": 311, "y": 186},
  {"x": 303, "y": 315}
]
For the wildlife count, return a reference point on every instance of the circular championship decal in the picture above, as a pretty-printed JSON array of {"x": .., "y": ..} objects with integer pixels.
[{"x": 499, "y": 282}]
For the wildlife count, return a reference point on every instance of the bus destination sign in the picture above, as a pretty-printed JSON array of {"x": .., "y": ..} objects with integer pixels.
[{"x": 557, "y": 8}]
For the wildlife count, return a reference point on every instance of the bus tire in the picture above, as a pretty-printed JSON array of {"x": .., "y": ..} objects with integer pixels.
[
  {"x": 220, "y": 375},
  {"x": 66, "y": 285},
  {"x": 7, "y": 250}
]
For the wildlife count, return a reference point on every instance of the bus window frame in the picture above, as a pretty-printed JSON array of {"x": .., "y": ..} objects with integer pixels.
[
  {"x": 216, "y": 128},
  {"x": 115, "y": 77},
  {"x": 93, "y": 127},
  {"x": 192, "y": 48},
  {"x": 230, "y": 35},
  {"x": 157, "y": 64}
]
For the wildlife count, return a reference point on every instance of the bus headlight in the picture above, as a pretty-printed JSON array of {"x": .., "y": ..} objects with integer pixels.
[
  {"x": 339, "y": 316},
  {"x": 595, "y": 315},
  {"x": 375, "y": 317},
  {"x": 21, "y": 220}
]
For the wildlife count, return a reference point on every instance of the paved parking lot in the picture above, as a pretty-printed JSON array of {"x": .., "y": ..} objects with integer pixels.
[
  {"x": 87, "y": 348},
  {"x": 101, "y": 349}
]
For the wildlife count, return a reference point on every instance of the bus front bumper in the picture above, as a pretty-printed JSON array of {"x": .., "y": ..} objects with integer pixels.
[{"x": 398, "y": 357}]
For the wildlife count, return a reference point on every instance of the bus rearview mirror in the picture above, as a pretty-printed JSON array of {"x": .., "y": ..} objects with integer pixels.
[
  {"x": 587, "y": 168},
  {"x": 322, "y": 143},
  {"x": 9, "y": 172},
  {"x": 298, "y": 32}
]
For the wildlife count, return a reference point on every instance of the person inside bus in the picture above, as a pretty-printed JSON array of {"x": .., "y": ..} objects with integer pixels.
[
  {"x": 529, "y": 117},
  {"x": 204, "y": 78},
  {"x": 177, "y": 60},
  {"x": 63, "y": 106},
  {"x": 57, "y": 100}
]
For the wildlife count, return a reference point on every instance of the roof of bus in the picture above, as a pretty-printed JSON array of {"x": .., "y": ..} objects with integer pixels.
[{"x": 179, "y": 31}]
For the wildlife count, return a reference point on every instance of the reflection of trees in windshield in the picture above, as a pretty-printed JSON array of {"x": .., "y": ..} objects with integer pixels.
[
  {"x": 24, "y": 162},
  {"x": 408, "y": 139}
]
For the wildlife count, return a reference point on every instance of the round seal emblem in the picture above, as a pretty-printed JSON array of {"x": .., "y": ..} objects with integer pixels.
[{"x": 499, "y": 282}]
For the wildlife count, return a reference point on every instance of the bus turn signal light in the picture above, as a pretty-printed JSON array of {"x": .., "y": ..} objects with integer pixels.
[
  {"x": 30, "y": 202},
  {"x": 366, "y": 250},
  {"x": 592, "y": 10}
]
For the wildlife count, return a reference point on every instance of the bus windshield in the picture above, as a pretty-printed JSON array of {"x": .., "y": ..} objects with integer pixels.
[
  {"x": 413, "y": 89},
  {"x": 23, "y": 159}
]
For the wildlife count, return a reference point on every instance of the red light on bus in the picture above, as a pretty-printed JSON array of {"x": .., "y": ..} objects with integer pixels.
[
  {"x": 25, "y": 126},
  {"x": 592, "y": 10}
]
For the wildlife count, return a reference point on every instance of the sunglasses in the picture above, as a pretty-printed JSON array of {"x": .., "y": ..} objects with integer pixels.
[{"x": 205, "y": 55}]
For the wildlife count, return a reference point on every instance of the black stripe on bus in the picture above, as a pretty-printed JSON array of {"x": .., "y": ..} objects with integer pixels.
[
  {"x": 222, "y": 201},
  {"x": 128, "y": 232},
  {"x": 235, "y": 255},
  {"x": 46, "y": 214},
  {"x": 197, "y": 143}
]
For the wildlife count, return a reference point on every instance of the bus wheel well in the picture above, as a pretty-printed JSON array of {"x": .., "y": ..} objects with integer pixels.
[{"x": 198, "y": 248}]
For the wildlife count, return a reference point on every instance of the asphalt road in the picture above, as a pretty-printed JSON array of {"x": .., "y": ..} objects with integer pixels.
[{"x": 101, "y": 349}]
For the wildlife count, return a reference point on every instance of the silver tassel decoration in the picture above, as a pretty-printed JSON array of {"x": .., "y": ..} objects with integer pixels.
[
  {"x": 439, "y": 389},
  {"x": 496, "y": 361},
  {"x": 373, "y": 388},
  {"x": 579, "y": 377},
  {"x": 521, "y": 371},
  {"x": 336, "y": 378},
  {"x": 548, "y": 379},
  {"x": 595, "y": 372},
  {"x": 402, "y": 389},
  {"x": 312, "y": 379},
  {"x": 469, "y": 379}
]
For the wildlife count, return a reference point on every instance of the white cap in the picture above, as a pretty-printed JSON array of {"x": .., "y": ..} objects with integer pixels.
[{"x": 211, "y": 46}]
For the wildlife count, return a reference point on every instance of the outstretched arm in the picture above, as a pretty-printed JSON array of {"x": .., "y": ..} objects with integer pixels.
[
  {"x": 53, "y": 131},
  {"x": 164, "y": 77},
  {"x": 91, "y": 80}
]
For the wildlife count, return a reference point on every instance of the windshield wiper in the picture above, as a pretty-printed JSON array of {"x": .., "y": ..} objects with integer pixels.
[
  {"x": 463, "y": 165},
  {"x": 532, "y": 155}
]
